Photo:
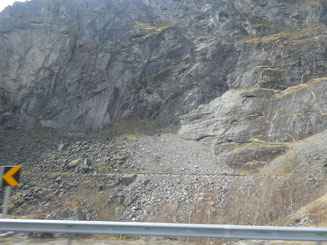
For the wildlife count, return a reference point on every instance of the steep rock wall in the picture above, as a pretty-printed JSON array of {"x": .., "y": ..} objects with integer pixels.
[
  {"x": 246, "y": 75},
  {"x": 84, "y": 64}
]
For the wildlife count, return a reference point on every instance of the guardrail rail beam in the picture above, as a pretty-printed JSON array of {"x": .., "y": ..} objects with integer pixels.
[{"x": 166, "y": 229}]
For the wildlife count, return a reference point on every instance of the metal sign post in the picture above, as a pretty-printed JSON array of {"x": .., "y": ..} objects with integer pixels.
[
  {"x": 9, "y": 177},
  {"x": 5, "y": 202}
]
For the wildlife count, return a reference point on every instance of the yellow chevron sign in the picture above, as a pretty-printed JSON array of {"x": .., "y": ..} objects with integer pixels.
[{"x": 10, "y": 175}]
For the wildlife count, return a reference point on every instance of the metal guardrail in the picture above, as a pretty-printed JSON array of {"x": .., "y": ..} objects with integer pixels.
[{"x": 166, "y": 229}]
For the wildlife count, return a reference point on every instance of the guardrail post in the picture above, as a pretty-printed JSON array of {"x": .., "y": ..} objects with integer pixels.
[{"x": 70, "y": 241}]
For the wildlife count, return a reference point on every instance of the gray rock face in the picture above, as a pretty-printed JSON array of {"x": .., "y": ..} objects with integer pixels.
[
  {"x": 265, "y": 114},
  {"x": 254, "y": 125},
  {"x": 79, "y": 65},
  {"x": 244, "y": 74}
]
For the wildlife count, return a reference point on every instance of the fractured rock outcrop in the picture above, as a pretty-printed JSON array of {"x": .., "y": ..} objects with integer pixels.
[{"x": 246, "y": 75}]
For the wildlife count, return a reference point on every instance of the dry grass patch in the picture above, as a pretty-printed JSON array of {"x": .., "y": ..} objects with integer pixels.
[
  {"x": 316, "y": 211},
  {"x": 130, "y": 137},
  {"x": 86, "y": 195},
  {"x": 33, "y": 216},
  {"x": 134, "y": 126},
  {"x": 264, "y": 203},
  {"x": 298, "y": 87},
  {"x": 157, "y": 28},
  {"x": 115, "y": 237},
  {"x": 288, "y": 37}
]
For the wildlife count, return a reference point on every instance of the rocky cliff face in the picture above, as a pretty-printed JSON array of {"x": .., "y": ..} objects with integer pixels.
[
  {"x": 78, "y": 65},
  {"x": 84, "y": 64},
  {"x": 226, "y": 73}
]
